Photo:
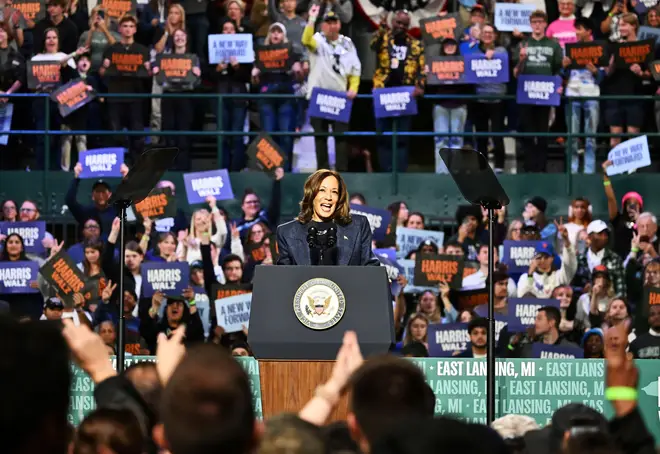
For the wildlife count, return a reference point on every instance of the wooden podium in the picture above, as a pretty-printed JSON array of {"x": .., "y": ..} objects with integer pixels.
[{"x": 286, "y": 386}]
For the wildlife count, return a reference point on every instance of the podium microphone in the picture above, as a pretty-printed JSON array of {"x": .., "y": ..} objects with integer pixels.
[
  {"x": 332, "y": 236},
  {"x": 312, "y": 233}
]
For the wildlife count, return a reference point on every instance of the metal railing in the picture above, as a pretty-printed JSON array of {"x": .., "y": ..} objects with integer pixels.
[{"x": 219, "y": 133}]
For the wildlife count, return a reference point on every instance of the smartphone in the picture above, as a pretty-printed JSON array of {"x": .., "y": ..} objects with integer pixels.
[{"x": 101, "y": 14}]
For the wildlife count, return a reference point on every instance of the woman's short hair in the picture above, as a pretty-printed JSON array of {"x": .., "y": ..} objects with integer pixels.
[{"x": 342, "y": 213}]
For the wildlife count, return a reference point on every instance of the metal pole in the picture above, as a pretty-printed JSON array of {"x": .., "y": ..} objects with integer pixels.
[
  {"x": 490, "y": 377},
  {"x": 395, "y": 159},
  {"x": 121, "y": 350}
]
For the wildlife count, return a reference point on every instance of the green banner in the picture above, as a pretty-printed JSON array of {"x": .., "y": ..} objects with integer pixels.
[
  {"x": 81, "y": 401},
  {"x": 534, "y": 388}
]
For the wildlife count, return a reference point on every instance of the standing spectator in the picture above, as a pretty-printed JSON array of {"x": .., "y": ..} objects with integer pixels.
[
  {"x": 16, "y": 21},
  {"x": 599, "y": 254},
  {"x": 232, "y": 77},
  {"x": 400, "y": 61},
  {"x": 489, "y": 114},
  {"x": 449, "y": 115},
  {"x": 294, "y": 24},
  {"x": 260, "y": 20},
  {"x": 536, "y": 55},
  {"x": 334, "y": 65},
  {"x": 12, "y": 79},
  {"x": 279, "y": 115},
  {"x": 579, "y": 217},
  {"x": 51, "y": 53},
  {"x": 66, "y": 29},
  {"x": 98, "y": 37},
  {"x": 623, "y": 222},
  {"x": 628, "y": 82},
  {"x": 126, "y": 111},
  {"x": 342, "y": 8},
  {"x": 236, "y": 13},
  {"x": 198, "y": 26},
  {"x": 564, "y": 28},
  {"x": 535, "y": 212},
  {"x": 178, "y": 113},
  {"x": 91, "y": 232},
  {"x": 610, "y": 26},
  {"x": 29, "y": 304},
  {"x": 583, "y": 82},
  {"x": 164, "y": 42}
]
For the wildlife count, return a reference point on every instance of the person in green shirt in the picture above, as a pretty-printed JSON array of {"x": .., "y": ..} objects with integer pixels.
[{"x": 536, "y": 55}]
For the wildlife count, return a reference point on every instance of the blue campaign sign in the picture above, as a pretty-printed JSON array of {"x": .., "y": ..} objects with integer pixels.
[
  {"x": 522, "y": 312},
  {"x": 447, "y": 339},
  {"x": 393, "y": 270},
  {"x": 545, "y": 351},
  {"x": 330, "y": 105},
  {"x": 408, "y": 240},
  {"x": 33, "y": 233},
  {"x": 15, "y": 277},
  {"x": 101, "y": 162},
  {"x": 200, "y": 185},
  {"x": 482, "y": 70},
  {"x": 394, "y": 102},
  {"x": 223, "y": 47},
  {"x": 389, "y": 253},
  {"x": 518, "y": 255},
  {"x": 171, "y": 278},
  {"x": 378, "y": 219},
  {"x": 538, "y": 90}
]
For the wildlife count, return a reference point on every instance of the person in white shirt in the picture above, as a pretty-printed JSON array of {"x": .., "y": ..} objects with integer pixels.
[
  {"x": 541, "y": 279},
  {"x": 334, "y": 65}
]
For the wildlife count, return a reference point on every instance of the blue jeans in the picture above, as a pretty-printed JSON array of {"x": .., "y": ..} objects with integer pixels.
[
  {"x": 385, "y": 143},
  {"x": 233, "y": 149},
  {"x": 280, "y": 116},
  {"x": 450, "y": 120},
  {"x": 39, "y": 112},
  {"x": 574, "y": 113}
]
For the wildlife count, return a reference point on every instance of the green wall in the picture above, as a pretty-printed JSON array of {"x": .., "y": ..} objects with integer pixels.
[{"x": 435, "y": 195}]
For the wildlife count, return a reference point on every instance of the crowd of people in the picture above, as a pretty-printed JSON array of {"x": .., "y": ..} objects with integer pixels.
[{"x": 82, "y": 37}]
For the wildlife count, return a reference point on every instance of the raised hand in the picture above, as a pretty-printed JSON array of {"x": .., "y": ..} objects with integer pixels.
[
  {"x": 169, "y": 353},
  {"x": 211, "y": 201},
  {"x": 116, "y": 225},
  {"x": 56, "y": 248},
  {"x": 107, "y": 292},
  {"x": 563, "y": 231}
]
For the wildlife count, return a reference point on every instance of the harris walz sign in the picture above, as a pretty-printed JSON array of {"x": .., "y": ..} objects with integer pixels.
[
  {"x": 176, "y": 69},
  {"x": 43, "y": 74},
  {"x": 274, "y": 58},
  {"x": 72, "y": 96},
  {"x": 127, "y": 64}
]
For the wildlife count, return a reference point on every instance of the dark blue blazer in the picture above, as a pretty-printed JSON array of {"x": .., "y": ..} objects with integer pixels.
[{"x": 353, "y": 243}]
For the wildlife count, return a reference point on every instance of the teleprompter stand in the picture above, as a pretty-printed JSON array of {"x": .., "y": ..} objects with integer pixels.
[
  {"x": 479, "y": 185},
  {"x": 134, "y": 188}
]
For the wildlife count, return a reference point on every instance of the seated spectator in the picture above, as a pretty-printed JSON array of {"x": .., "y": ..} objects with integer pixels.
[
  {"x": 593, "y": 344},
  {"x": 29, "y": 212},
  {"x": 415, "y": 220},
  {"x": 9, "y": 212},
  {"x": 478, "y": 332},
  {"x": 109, "y": 430},
  {"x": 546, "y": 331},
  {"x": 417, "y": 330},
  {"x": 595, "y": 301},
  {"x": 579, "y": 218},
  {"x": 647, "y": 345},
  {"x": 535, "y": 211}
]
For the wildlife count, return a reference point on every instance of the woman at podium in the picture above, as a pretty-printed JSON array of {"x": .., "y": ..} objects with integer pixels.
[{"x": 325, "y": 233}]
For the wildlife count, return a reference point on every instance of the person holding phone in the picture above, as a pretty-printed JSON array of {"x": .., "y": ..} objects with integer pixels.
[{"x": 98, "y": 37}]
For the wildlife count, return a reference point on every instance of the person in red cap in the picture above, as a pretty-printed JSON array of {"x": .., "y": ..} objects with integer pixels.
[{"x": 623, "y": 222}]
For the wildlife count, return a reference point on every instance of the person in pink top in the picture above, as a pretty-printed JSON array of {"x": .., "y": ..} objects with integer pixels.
[{"x": 563, "y": 29}]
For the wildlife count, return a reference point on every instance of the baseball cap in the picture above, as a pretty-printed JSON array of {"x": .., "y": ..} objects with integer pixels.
[
  {"x": 54, "y": 303},
  {"x": 600, "y": 270},
  {"x": 330, "y": 15},
  {"x": 597, "y": 226},
  {"x": 544, "y": 247},
  {"x": 197, "y": 264},
  {"x": 277, "y": 25},
  {"x": 98, "y": 183}
]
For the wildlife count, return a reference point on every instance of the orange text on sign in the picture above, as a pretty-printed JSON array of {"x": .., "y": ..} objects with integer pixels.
[
  {"x": 66, "y": 279},
  {"x": 117, "y": 9},
  {"x": 176, "y": 67},
  {"x": 153, "y": 206},
  {"x": 471, "y": 301},
  {"x": 274, "y": 58},
  {"x": 585, "y": 55},
  {"x": 127, "y": 63},
  {"x": 654, "y": 299},
  {"x": 29, "y": 10},
  {"x": 635, "y": 54},
  {"x": 46, "y": 73},
  {"x": 73, "y": 95},
  {"x": 448, "y": 69},
  {"x": 439, "y": 270},
  {"x": 225, "y": 293},
  {"x": 268, "y": 155},
  {"x": 443, "y": 28}
]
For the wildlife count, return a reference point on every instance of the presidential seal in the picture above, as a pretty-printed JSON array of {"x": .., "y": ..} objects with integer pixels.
[{"x": 319, "y": 304}]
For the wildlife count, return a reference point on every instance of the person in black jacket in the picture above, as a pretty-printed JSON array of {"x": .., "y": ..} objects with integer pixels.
[
  {"x": 178, "y": 311},
  {"x": 12, "y": 80}
]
